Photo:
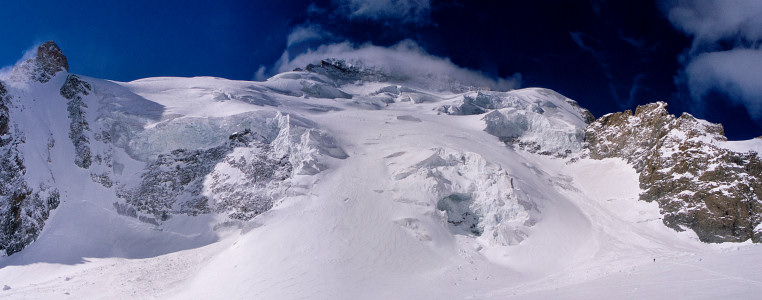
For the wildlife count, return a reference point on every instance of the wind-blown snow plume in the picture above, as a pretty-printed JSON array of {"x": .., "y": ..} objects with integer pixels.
[
  {"x": 725, "y": 55},
  {"x": 403, "y": 60},
  {"x": 5, "y": 72}
]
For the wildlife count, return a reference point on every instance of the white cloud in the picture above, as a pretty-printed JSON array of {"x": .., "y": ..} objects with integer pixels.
[
  {"x": 709, "y": 21},
  {"x": 405, "y": 60},
  {"x": 306, "y": 32},
  {"x": 725, "y": 55},
  {"x": 736, "y": 72},
  {"x": 404, "y": 11}
]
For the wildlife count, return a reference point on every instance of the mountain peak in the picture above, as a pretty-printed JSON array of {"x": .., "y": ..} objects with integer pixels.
[
  {"x": 48, "y": 61},
  {"x": 51, "y": 59}
]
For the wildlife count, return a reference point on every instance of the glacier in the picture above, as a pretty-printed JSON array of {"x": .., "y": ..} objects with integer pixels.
[{"x": 338, "y": 180}]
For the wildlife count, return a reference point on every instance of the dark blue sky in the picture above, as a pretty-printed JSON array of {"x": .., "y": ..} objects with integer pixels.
[
  {"x": 127, "y": 40},
  {"x": 607, "y": 55}
]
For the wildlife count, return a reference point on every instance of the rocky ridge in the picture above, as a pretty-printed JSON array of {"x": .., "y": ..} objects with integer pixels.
[
  {"x": 23, "y": 208},
  {"x": 48, "y": 61},
  {"x": 73, "y": 90},
  {"x": 343, "y": 72},
  {"x": 683, "y": 166}
]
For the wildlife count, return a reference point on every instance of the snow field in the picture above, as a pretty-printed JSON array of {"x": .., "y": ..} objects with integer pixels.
[{"x": 369, "y": 224}]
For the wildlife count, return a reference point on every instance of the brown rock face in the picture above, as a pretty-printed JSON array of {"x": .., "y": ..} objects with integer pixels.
[
  {"x": 49, "y": 61},
  {"x": 682, "y": 165},
  {"x": 46, "y": 64}
]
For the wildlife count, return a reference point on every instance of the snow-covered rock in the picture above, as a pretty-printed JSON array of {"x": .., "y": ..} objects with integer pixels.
[
  {"x": 48, "y": 61},
  {"x": 685, "y": 166},
  {"x": 25, "y": 205},
  {"x": 73, "y": 90}
]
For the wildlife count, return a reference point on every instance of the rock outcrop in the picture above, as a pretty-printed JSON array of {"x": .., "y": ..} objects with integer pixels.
[
  {"x": 48, "y": 61},
  {"x": 23, "y": 208},
  {"x": 3, "y": 111},
  {"x": 683, "y": 166},
  {"x": 73, "y": 90},
  {"x": 343, "y": 72}
]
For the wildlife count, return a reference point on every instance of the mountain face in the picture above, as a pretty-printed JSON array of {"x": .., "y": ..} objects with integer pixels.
[
  {"x": 340, "y": 180},
  {"x": 337, "y": 171},
  {"x": 240, "y": 165},
  {"x": 25, "y": 205},
  {"x": 238, "y": 168},
  {"x": 685, "y": 166}
]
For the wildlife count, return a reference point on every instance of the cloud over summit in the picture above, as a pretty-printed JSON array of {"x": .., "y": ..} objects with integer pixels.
[
  {"x": 404, "y": 60},
  {"x": 328, "y": 33}
]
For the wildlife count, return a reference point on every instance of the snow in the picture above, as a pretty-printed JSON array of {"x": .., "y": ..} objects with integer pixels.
[
  {"x": 364, "y": 217},
  {"x": 752, "y": 145}
]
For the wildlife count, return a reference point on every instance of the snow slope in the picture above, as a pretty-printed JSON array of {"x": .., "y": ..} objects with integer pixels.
[{"x": 404, "y": 201}]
